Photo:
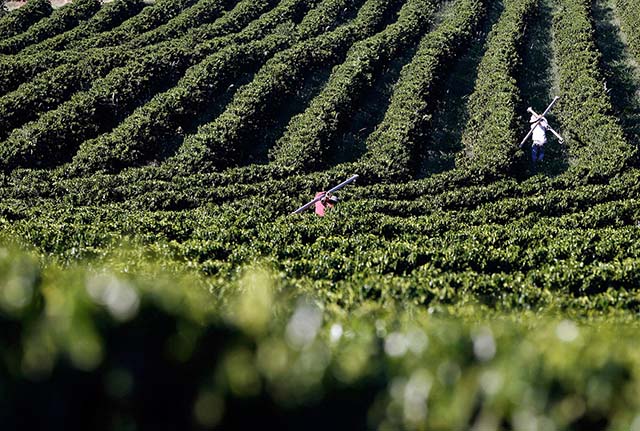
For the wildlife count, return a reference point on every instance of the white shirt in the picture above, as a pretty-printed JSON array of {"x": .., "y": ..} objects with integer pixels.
[{"x": 540, "y": 131}]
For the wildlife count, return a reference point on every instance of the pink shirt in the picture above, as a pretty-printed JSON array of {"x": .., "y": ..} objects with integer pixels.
[{"x": 320, "y": 207}]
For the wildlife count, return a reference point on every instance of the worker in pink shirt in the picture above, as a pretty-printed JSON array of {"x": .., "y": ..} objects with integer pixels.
[{"x": 325, "y": 203}]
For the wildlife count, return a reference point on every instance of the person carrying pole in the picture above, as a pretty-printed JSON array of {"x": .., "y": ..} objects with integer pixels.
[
  {"x": 326, "y": 202},
  {"x": 539, "y": 126}
]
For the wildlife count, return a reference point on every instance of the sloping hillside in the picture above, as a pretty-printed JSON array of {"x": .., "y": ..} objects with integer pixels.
[{"x": 172, "y": 141}]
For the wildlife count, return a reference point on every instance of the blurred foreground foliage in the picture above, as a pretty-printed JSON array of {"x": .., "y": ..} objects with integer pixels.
[{"x": 129, "y": 343}]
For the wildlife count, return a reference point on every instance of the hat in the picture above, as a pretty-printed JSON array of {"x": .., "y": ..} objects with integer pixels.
[
  {"x": 333, "y": 199},
  {"x": 534, "y": 118}
]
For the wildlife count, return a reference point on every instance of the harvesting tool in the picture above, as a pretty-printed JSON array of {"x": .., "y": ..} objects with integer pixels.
[
  {"x": 540, "y": 118},
  {"x": 321, "y": 196}
]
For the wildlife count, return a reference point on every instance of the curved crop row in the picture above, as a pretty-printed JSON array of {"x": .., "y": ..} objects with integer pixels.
[
  {"x": 109, "y": 16},
  {"x": 327, "y": 16},
  {"x": 49, "y": 89},
  {"x": 308, "y": 134},
  {"x": 60, "y": 21},
  {"x": 558, "y": 194},
  {"x": 391, "y": 147},
  {"x": 373, "y": 257},
  {"x": 54, "y": 86},
  {"x": 482, "y": 249},
  {"x": 401, "y": 244},
  {"x": 218, "y": 144},
  {"x": 114, "y": 96},
  {"x": 17, "y": 70},
  {"x": 203, "y": 12},
  {"x": 22, "y": 18},
  {"x": 528, "y": 244},
  {"x": 232, "y": 21},
  {"x": 594, "y": 206},
  {"x": 448, "y": 191},
  {"x": 595, "y": 136},
  {"x": 149, "y": 18},
  {"x": 489, "y": 137},
  {"x": 500, "y": 204},
  {"x": 196, "y": 190},
  {"x": 136, "y": 187},
  {"x": 628, "y": 12},
  {"x": 234, "y": 235},
  {"x": 141, "y": 136},
  {"x": 139, "y": 195},
  {"x": 447, "y": 213}
]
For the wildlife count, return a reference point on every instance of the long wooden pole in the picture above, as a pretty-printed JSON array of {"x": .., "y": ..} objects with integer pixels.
[
  {"x": 335, "y": 189},
  {"x": 553, "y": 102}
]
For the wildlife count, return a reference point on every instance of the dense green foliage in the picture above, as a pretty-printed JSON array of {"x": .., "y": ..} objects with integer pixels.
[
  {"x": 148, "y": 19},
  {"x": 307, "y": 138},
  {"x": 109, "y": 16},
  {"x": 629, "y": 12},
  {"x": 219, "y": 144},
  {"x": 141, "y": 136},
  {"x": 19, "y": 20},
  {"x": 60, "y": 21},
  {"x": 393, "y": 145},
  {"x": 490, "y": 133},
  {"x": 151, "y": 155},
  {"x": 262, "y": 346},
  {"x": 598, "y": 141}
]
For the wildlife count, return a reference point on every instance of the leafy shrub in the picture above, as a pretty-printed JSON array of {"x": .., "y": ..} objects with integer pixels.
[
  {"x": 596, "y": 138},
  {"x": 308, "y": 135},
  {"x": 629, "y": 13},
  {"x": 109, "y": 16},
  {"x": 391, "y": 365},
  {"x": 19, "y": 20},
  {"x": 219, "y": 144},
  {"x": 60, "y": 21},
  {"x": 149, "y": 18},
  {"x": 489, "y": 137},
  {"x": 392, "y": 146}
]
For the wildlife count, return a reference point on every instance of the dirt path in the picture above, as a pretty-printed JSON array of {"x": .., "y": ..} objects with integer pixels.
[
  {"x": 539, "y": 85},
  {"x": 443, "y": 140}
]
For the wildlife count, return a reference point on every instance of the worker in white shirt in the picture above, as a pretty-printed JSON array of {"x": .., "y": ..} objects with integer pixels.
[{"x": 539, "y": 126}]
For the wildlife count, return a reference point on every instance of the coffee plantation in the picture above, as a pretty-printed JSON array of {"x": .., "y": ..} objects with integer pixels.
[{"x": 151, "y": 272}]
